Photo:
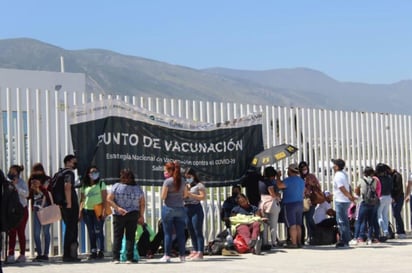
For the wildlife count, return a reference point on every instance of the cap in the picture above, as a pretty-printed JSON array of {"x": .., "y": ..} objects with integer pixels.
[
  {"x": 327, "y": 193},
  {"x": 293, "y": 167},
  {"x": 339, "y": 162}
]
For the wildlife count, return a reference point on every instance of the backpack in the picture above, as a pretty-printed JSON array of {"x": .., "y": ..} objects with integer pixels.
[
  {"x": 12, "y": 211},
  {"x": 370, "y": 197},
  {"x": 56, "y": 187}
]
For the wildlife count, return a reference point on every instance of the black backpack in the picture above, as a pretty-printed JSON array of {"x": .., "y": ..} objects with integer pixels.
[
  {"x": 56, "y": 187},
  {"x": 370, "y": 197},
  {"x": 12, "y": 211}
]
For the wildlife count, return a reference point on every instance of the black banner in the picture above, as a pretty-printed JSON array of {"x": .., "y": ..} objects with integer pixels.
[{"x": 221, "y": 156}]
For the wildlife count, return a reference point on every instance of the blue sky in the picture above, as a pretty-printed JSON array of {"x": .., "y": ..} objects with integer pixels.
[{"x": 351, "y": 40}]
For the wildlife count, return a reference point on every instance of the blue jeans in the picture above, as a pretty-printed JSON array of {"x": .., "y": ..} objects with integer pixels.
[
  {"x": 195, "y": 218},
  {"x": 383, "y": 213},
  {"x": 397, "y": 206},
  {"x": 309, "y": 222},
  {"x": 173, "y": 221},
  {"x": 95, "y": 229},
  {"x": 37, "y": 231},
  {"x": 367, "y": 218},
  {"x": 343, "y": 221}
]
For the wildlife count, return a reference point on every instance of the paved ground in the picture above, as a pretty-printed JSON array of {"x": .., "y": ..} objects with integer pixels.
[{"x": 393, "y": 256}]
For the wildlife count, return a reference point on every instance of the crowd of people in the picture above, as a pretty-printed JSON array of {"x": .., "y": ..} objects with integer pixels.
[{"x": 360, "y": 215}]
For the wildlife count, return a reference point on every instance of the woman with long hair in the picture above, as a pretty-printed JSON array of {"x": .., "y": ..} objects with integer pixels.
[
  {"x": 195, "y": 214},
  {"x": 173, "y": 212},
  {"x": 40, "y": 197},
  {"x": 93, "y": 195},
  {"x": 14, "y": 177}
]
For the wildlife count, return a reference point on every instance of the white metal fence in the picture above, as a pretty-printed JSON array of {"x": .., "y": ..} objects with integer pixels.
[{"x": 34, "y": 128}]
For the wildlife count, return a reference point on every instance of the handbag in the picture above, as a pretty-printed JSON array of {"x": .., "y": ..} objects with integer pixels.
[
  {"x": 49, "y": 214},
  {"x": 98, "y": 210},
  {"x": 306, "y": 204}
]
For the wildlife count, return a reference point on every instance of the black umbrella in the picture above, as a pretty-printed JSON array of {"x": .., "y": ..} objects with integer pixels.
[{"x": 273, "y": 155}]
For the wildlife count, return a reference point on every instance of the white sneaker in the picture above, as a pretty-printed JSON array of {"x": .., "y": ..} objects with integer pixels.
[
  {"x": 11, "y": 259},
  {"x": 353, "y": 242},
  {"x": 21, "y": 259},
  {"x": 165, "y": 259}
]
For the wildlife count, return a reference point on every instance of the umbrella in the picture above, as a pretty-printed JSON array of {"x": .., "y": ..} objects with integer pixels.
[{"x": 273, "y": 155}]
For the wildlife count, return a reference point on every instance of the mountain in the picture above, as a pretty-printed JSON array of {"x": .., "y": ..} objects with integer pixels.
[{"x": 113, "y": 73}]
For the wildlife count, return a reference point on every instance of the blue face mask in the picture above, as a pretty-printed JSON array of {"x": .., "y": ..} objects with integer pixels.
[
  {"x": 94, "y": 175},
  {"x": 189, "y": 180}
]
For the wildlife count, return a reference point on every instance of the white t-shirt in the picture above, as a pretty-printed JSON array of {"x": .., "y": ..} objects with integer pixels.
[
  {"x": 320, "y": 212},
  {"x": 340, "y": 179}
]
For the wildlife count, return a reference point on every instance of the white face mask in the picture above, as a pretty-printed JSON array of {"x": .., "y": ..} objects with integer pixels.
[
  {"x": 189, "y": 180},
  {"x": 94, "y": 175}
]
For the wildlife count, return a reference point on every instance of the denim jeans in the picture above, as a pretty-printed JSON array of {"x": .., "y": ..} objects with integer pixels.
[
  {"x": 367, "y": 219},
  {"x": 37, "y": 229},
  {"x": 343, "y": 221},
  {"x": 195, "y": 218},
  {"x": 397, "y": 206},
  {"x": 95, "y": 230},
  {"x": 173, "y": 220},
  {"x": 309, "y": 222},
  {"x": 383, "y": 213}
]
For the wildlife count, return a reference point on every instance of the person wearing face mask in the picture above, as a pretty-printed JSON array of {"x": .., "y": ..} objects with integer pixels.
[
  {"x": 195, "y": 215},
  {"x": 22, "y": 188},
  {"x": 70, "y": 212},
  {"x": 313, "y": 191},
  {"x": 40, "y": 197},
  {"x": 93, "y": 196}
]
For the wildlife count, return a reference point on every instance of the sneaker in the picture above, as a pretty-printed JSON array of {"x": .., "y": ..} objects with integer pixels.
[
  {"x": 402, "y": 236},
  {"x": 383, "y": 239},
  {"x": 37, "y": 259},
  {"x": 92, "y": 256},
  {"x": 21, "y": 259},
  {"x": 165, "y": 259},
  {"x": 182, "y": 259},
  {"x": 131, "y": 262},
  {"x": 10, "y": 259},
  {"x": 100, "y": 255},
  {"x": 44, "y": 258},
  {"x": 115, "y": 261},
  {"x": 341, "y": 245},
  {"x": 353, "y": 242}
]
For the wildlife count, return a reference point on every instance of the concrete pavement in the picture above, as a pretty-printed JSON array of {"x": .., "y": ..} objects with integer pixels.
[{"x": 392, "y": 256}]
